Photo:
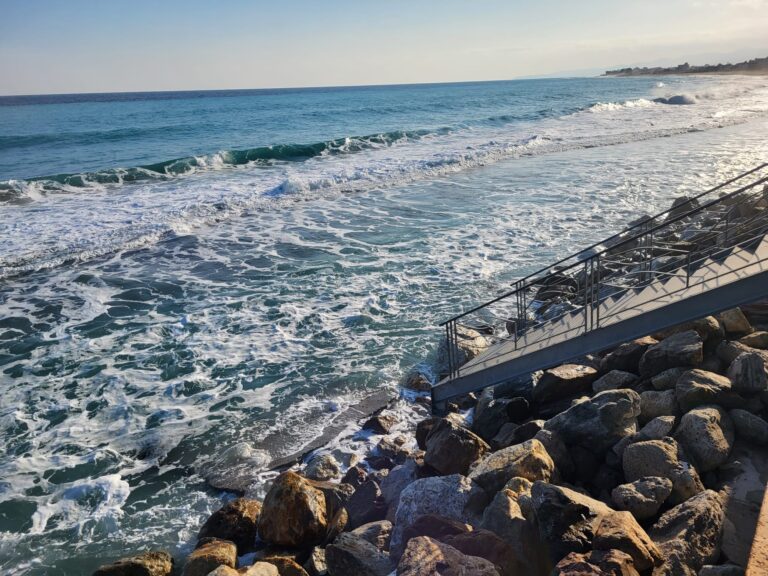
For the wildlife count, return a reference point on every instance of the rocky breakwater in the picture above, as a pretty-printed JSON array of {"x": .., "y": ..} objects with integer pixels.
[{"x": 644, "y": 460}]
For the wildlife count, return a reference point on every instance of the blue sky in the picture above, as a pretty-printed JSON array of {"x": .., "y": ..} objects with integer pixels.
[{"x": 49, "y": 46}]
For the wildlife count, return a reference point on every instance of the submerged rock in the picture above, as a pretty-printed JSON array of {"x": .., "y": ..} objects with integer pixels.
[
  {"x": 236, "y": 521},
  {"x": 424, "y": 555},
  {"x": 147, "y": 564},
  {"x": 706, "y": 434},
  {"x": 688, "y": 535},
  {"x": 293, "y": 513}
]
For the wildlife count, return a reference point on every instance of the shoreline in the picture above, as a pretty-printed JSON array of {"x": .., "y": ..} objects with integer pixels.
[{"x": 649, "y": 438}]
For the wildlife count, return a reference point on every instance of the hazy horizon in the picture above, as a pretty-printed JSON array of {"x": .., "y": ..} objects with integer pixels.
[{"x": 85, "y": 46}]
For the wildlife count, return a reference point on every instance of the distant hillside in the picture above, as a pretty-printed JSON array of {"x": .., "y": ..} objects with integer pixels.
[{"x": 756, "y": 66}]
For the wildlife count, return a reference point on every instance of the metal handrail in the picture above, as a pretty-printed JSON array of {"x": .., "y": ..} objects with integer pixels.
[
  {"x": 649, "y": 257},
  {"x": 527, "y": 280}
]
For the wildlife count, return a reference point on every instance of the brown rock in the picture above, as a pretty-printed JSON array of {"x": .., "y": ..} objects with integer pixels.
[
  {"x": 683, "y": 349},
  {"x": 322, "y": 467},
  {"x": 377, "y": 533},
  {"x": 452, "y": 449},
  {"x": 262, "y": 569},
  {"x": 394, "y": 448},
  {"x": 563, "y": 382},
  {"x": 567, "y": 519},
  {"x": 485, "y": 544},
  {"x": 145, "y": 564},
  {"x": 209, "y": 556},
  {"x": 614, "y": 380},
  {"x": 643, "y": 497},
  {"x": 315, "y": 565},
  {"x": 698, "y": 387},
  {"x": 236, "y": 521},
  {"x": 666, "y": 380},
  {"x": 654, "y": 404},
  {"x": 662, "y": 458},
  {"x": 224, "y": 571},
  {"x": 627, "y": 356},
  {"x": 755, "y": 340},
  {"x": 749, "y": 427},
  {"x": 434, "y": 526},
  {"x": 688, "y": 535},
  {"x": 620, "y": 531},
  {"x": 424, "y": 555},
  {"x": 380, "y": 423},
  {"x": 352, "y": 555},
  {"x": 355, "y": 476},
  {"x": 708, "y": 328},
  {"x": 294, "y": 512},
  {"x": 735, "y": 323},
  {"x": 417, "y": 381},
  {"x": 596, "y": 563},
  {"x": 747, "y": 372},
  {"x": 527, "y": 460},
  {"x": 286, "y": 566},
  {"x": 706, "y": 434},
  {"x": 365, "y": 505},
  {"x": 423, "y": 429}
]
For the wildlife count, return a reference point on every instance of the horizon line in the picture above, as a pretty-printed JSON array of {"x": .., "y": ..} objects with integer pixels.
[{"x": 565, "y": 76}]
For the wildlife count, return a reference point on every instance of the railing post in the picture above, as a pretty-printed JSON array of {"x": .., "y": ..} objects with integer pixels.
[
  {"x": 597, "y": 292},
  {"x": 688, "y": 269}
]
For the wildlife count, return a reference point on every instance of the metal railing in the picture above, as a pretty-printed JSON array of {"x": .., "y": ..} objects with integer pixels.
[{"x": 671, "y": 244}]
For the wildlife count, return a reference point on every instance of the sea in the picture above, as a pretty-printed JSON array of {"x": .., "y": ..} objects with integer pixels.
[{"x": 196, "y": 280}]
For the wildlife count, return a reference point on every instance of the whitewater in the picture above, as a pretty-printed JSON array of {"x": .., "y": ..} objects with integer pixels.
[{"x": 193, "y": 281}]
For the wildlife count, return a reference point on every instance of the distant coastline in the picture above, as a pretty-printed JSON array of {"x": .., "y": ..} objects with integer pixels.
[{"x": 754, "y": 66}]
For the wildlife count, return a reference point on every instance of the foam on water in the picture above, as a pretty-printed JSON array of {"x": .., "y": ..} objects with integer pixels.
[{"x": 200, "y": 326}]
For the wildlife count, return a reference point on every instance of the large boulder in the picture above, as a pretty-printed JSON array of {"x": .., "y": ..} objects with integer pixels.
[
  {"x": 154, "y": 563},
  {"x": 365, "y": 505},
  {"x": 351, "y": 555},
  {"x": 708, "y": 328},
  {"x": 654, "y": 403},
  {"x": 435, "y": 526},
  {"x": 747, "y": 372},
  {"x": 620, "y": 531},
  {"x": 452, "y": 449},
  {"x": 668, "y": 379},
  {"x": 425, "y": 555},
  {"x": 749, "y": 427},
  {"x": 662, "y": 458},
  {"x": 485, "y": 544},
  {"x": 643, "y": 497},
  {"x": 655, "y": 429},
  {"x": 689, "y": 534},
  {"x": 627, "y": 356},
  {"x": 735, "y": 323},
  {"x": 293, "y": 513},
  {"x": 527, "y": 460},
  {"x": 512, "y": 518},
  {"x": 756, "y": 340},
  {"x": 398, "y": 478},
  {"x": 286, "y": 566},
  {"x": 706, "y": 434},
  {"x": 210, "y": 555},
  {"x": 322, "y": 467},
  {"x": 699, "y": 387},
  {"x": 598, "y": 423},
  {"x": 493, "y": 413},
  {"x": 377, "y": 533},
  {"x": 259, "y": 569},
  {"x": 596, "y": 563},
  {"x": 682, "y": 349},
  {"x": 567, "y": 519},
  {"x": 236, "y": 521},
  {"x": 456, "y": 497},
  {"x": 614, "y": 380},
  {"x": 563, "y": 382}
]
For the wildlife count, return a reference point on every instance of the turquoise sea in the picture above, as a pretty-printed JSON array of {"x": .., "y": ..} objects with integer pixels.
[{"x": 184, "y": 273}]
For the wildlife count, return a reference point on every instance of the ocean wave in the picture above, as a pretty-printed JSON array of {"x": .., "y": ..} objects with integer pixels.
[
  {"x": 15, "y": 190},
  {"x": 614, "y": 106}
]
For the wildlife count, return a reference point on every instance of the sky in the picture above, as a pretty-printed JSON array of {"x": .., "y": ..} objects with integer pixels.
[{"x": 61, "y": 46}]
